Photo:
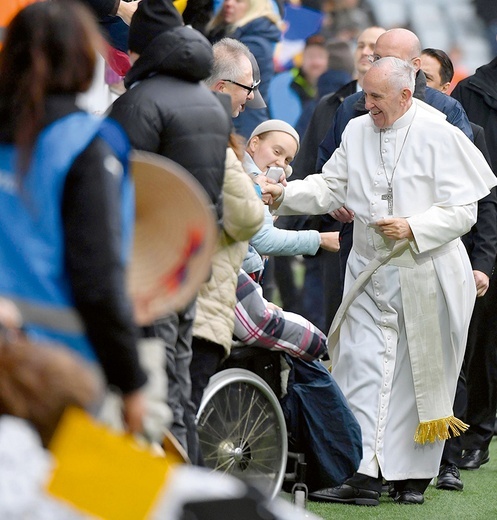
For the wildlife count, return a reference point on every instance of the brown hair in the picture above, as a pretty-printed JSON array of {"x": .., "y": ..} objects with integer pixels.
[
  {"x": 38, "y": 382},
  {"x": 49, "y": 48},
  {"x": 236, "y": 142}
]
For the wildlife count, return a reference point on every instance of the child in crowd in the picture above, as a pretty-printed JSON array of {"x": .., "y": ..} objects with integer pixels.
[{"x": 275, "y": 143}]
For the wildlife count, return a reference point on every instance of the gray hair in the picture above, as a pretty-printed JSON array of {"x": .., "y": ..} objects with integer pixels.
[
  {"x": 401, "y": 73},
  {"x": 227, "y": 54}
]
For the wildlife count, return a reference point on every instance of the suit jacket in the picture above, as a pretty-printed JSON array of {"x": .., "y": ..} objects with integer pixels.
[{"x": 481, "y": 241}]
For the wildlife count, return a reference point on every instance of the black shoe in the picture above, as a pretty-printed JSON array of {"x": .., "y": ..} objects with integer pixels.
[
  {"x": 449, "y": 478},
  {"x": 346, "y": 494},
  {"x": 473, "y": 459},
  {"x": 409, "y": 497}
]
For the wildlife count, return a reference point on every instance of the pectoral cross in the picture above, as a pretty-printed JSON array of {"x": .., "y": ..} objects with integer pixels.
[{"x": 389, "y": 198}]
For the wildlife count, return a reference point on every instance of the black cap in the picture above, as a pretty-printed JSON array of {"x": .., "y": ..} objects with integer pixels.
[{"x": 152, "y": 17}]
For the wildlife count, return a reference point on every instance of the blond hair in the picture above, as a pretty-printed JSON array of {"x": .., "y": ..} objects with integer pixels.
[{"x": 257, "y": 9}]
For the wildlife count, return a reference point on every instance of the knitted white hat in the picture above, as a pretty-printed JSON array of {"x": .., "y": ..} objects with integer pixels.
[{"x": 276, "y": 125}]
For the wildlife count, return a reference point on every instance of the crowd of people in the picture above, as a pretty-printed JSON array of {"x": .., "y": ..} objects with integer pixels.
[{"x": 382, "y": 180}]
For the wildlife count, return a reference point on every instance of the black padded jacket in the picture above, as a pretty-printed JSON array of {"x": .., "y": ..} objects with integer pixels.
[{"x": 169, "y": 111}]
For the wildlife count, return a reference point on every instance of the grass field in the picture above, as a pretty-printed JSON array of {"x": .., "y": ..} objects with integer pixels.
[{"x": 478, "y": 501}]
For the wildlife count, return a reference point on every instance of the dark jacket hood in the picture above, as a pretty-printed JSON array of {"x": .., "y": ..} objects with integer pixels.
[{"x": 182, "y": 52}]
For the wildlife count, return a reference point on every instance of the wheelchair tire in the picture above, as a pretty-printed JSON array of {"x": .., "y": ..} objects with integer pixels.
[{"x": 242, "y": 429}]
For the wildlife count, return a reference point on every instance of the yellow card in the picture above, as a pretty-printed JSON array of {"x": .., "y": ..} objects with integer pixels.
[{"x": 104, "y": 473}]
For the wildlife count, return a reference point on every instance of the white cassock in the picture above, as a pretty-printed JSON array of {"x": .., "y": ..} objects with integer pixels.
[{"x": 439, "y": 176}]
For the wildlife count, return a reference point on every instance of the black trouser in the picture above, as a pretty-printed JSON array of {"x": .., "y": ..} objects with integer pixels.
[
  {"x": 476, "y": 394},
  {"x": 480, "y": 368},
  {"x": 206, "y": 359}
]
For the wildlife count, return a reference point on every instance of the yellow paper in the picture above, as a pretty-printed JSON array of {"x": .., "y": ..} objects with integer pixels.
[{"x": 104, "y": 473}]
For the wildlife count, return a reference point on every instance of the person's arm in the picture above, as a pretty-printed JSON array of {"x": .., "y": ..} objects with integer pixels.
[
  {"x": 260, "y": 324},
  {"x": 93, "y": 255},
  {"x": 483, "y": 235},
  {"x": 458, "y": 117},
  {"x": 316, "y": 194},
  {"x": 452, "y": 108},
  {"x": 481, "y": 241},
  {"x": 270, "y": 240},
  {"x": 439, "y": 225},
  {"x": 126, "y": 10}
]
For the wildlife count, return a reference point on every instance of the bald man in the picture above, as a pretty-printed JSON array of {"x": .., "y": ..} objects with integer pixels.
[{"x": 395, "y": 43}]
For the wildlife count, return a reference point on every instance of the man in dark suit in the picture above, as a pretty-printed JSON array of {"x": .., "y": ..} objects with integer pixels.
[
  {"x": 478, "y": 95},
  {"x": 481, "y": 244}
]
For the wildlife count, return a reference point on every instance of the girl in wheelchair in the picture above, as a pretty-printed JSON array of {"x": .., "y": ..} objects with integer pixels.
[{"x": 319, "y": 422}]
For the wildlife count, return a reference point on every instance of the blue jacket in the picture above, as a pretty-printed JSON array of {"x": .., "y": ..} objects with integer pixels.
[
  {"x": 260, "y": 36},
  {"x": 353, "y": 106},
  {"x": 270, "y": 240},
  {"x": 33, "y": 269}
]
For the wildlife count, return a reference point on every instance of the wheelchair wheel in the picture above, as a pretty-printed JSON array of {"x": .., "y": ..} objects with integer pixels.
[{"x": 242, "y": 429}]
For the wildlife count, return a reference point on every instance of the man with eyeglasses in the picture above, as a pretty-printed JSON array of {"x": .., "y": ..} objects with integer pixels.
[
  {"x": 236, "y": 73},
  {"x": 169, "y": 111}
]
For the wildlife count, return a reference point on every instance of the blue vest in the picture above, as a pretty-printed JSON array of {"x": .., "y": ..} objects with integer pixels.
[{"x": 32, "y": 269}]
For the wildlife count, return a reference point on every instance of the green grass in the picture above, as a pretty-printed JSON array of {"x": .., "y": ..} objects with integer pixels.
[{"x": 478, "y": 501}]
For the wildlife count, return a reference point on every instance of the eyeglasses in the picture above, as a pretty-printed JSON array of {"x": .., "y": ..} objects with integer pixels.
[{"x": 246, "y": 87}]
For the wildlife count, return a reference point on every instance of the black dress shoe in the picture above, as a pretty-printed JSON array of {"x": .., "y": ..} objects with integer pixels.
[
  {"x": 449, "y": 478},
  {"x": 409, "y": 497},
  {"x": 346, "y": 494},
  {"x": 473, "y": 459}
]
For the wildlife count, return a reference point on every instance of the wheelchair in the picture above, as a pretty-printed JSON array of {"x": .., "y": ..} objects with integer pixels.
[{"x": 241, "y": 425}]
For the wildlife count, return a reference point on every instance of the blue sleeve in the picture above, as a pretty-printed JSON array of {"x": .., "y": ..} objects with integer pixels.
[
  {"x": 454, "y": 111},
  {"x": 457, "y": 116},
  {"x": 270, "y": 240}
]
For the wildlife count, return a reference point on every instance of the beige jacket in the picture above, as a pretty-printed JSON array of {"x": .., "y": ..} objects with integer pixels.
[{"x": 243, "y": 216}]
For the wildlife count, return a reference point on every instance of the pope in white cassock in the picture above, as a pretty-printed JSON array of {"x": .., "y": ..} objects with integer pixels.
[{"x": 413, "y": 181}]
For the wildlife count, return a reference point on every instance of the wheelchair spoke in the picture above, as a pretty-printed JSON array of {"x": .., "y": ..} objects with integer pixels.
[{"x": 242, "y": 432}]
